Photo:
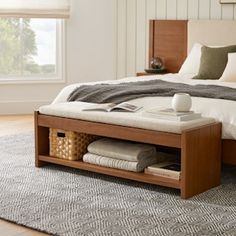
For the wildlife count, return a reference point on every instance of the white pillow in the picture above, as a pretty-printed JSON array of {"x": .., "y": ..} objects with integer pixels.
[
  {"x": 229, "y": 74},
  {"x": 191, "y": 64}
]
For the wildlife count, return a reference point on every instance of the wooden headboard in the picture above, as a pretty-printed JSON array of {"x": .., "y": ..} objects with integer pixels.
[{"x": 168, "y": 40}]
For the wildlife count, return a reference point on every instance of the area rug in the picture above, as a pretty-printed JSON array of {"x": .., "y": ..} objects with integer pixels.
[{"x": 64, "y": 201}]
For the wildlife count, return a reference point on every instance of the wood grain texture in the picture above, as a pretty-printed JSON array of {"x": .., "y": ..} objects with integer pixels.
[
  {"x": 141, "y": 177},
  {"x": 200, "y": 147},
  {"x": 168, "y": 40},
  {"x": 229, "y": 152},
  {"x": 200, "y": 160},
  {"x": 144, "y": 74},
  {"x": 11, "y": 229},
  {"x": 41, "y": 141},
  {"x": 107, "y": 130},
  {"x": 16, "y": 124}
]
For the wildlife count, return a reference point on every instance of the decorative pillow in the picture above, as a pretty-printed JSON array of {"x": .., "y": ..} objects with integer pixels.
[
  {"x": 213, "y": 62},
  {"x": 229, "y": 74},
  {"x": 191, "y": 64}
]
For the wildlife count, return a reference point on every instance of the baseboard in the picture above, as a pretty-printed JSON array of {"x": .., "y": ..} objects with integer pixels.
[{"x": 20, "y": 107}]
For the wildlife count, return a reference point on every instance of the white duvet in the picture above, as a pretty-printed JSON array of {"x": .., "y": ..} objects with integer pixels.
[{"x": 220, "y": 110}]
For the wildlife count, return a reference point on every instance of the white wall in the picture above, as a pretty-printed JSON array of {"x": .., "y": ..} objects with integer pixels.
[
  {"x": 90, "y": 56},
  {"x": 133, "y": 17},
  {"x": 91, "y": 41},
  {"x": 108, "y": 39}
]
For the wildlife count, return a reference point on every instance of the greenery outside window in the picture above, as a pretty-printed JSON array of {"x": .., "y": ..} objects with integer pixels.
[{"x": 31, "y": 49}]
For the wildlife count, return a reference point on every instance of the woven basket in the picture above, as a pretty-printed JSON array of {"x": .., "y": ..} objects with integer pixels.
[{"x": 69, "y": 145}]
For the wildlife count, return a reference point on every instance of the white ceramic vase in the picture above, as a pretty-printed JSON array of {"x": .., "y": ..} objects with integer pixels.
[{"x": 181, "y": 102}]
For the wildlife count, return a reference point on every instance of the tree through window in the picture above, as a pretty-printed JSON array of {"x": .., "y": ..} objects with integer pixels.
[{"x": 28, "y": 47}]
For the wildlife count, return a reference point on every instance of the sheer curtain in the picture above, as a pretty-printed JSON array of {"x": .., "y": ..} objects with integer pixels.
[{"x": 35, "y": 8}]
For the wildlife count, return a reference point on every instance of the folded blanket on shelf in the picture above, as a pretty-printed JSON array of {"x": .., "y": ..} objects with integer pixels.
[
  {"x": 119, "y": 164},
  {"x": 122, "y": 150}
]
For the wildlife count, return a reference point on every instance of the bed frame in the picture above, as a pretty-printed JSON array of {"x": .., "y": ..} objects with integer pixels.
[
  {"x": 199, "y": 147},
  {"x": 173, "y": 39}
]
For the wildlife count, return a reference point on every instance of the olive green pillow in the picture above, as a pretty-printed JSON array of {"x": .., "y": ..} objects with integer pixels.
[{"x": 213, "y": 62}]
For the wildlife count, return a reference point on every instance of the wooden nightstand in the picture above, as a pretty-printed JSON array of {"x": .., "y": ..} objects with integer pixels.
[
  {"x": 161, "y": 72},
  {"x": 144, "y": 74}
]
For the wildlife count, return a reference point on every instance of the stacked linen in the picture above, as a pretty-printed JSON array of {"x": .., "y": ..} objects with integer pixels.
[{"x": 120, "y": 154}]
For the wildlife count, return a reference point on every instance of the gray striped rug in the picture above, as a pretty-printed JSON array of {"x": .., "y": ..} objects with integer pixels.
[{"x": 64, "y": 201}]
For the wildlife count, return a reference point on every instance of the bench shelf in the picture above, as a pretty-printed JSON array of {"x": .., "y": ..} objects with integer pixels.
[{"x": 142, "y": 177}]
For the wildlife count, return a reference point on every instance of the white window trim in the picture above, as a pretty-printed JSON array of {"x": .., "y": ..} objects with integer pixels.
[{"x": 60, "y": 77}]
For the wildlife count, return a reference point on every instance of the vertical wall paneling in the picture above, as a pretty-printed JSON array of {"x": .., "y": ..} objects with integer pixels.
[
  {"x": 193, "y": 9},
  {"x": 161, "y": 9},
  {"x": 228, "y": 11},
  {"x": 121, "y": 38},
  {"x": 204, "y": 9},
  {"x": 182, "y": 9},
  {"x": 171, "y": 9},
  {"x": 150, "y": 14},
  {"x": 131, "y": 12},
  {"x": 215, "y": 10},
  {"x": 133, "y": 25},
  {"x": 234, "y": 11},
  {"x": 141, "y": 36},
  {"x": 115, "y": 37}
]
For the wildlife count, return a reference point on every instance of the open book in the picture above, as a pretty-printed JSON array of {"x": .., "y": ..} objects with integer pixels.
[{"x": 124, "y": 106}]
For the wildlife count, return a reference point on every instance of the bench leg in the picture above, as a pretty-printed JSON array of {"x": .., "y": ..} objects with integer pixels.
[
  {"x": 200, "y": 160},
  {"x": 41, "y": 141}
]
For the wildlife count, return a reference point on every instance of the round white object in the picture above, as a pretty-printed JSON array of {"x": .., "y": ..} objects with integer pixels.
[
  {"x": 229, "y": 74},
  {"x": 181, "y": 102}
]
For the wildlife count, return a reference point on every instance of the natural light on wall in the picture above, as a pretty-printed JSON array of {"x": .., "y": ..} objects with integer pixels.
[{"x": 31, "y": 39}]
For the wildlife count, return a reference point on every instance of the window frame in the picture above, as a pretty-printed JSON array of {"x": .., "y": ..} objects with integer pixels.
[{"x": 60, "y": 63}]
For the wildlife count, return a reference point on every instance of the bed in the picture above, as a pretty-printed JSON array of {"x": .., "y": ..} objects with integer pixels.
[
  {"x": 208, "y": 32},
  {"x": 186, "y": 33},
  {"x": 183, "y": 34}
]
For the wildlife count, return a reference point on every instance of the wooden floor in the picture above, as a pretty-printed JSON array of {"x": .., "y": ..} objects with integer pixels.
[{"x": 13, "y": 125}]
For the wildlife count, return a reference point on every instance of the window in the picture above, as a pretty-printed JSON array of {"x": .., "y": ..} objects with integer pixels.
[{"x": 31, "y": 49}]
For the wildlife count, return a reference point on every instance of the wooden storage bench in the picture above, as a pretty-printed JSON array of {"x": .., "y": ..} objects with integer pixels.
[{"x": 200, "y": 151}]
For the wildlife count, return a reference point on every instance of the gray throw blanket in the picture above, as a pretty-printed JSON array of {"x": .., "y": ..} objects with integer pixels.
[{"x": 117, "y": 93}]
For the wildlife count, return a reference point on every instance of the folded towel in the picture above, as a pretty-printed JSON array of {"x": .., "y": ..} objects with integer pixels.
[
  {"x": 119, "y": 164},
  {"x": 122, "y": 150}
]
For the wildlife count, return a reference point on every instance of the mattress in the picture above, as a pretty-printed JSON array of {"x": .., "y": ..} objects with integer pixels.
[{"x": 211, "y": 109}]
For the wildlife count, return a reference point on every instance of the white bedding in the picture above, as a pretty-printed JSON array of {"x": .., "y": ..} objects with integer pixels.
[{"x": 221, "y": 110}]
